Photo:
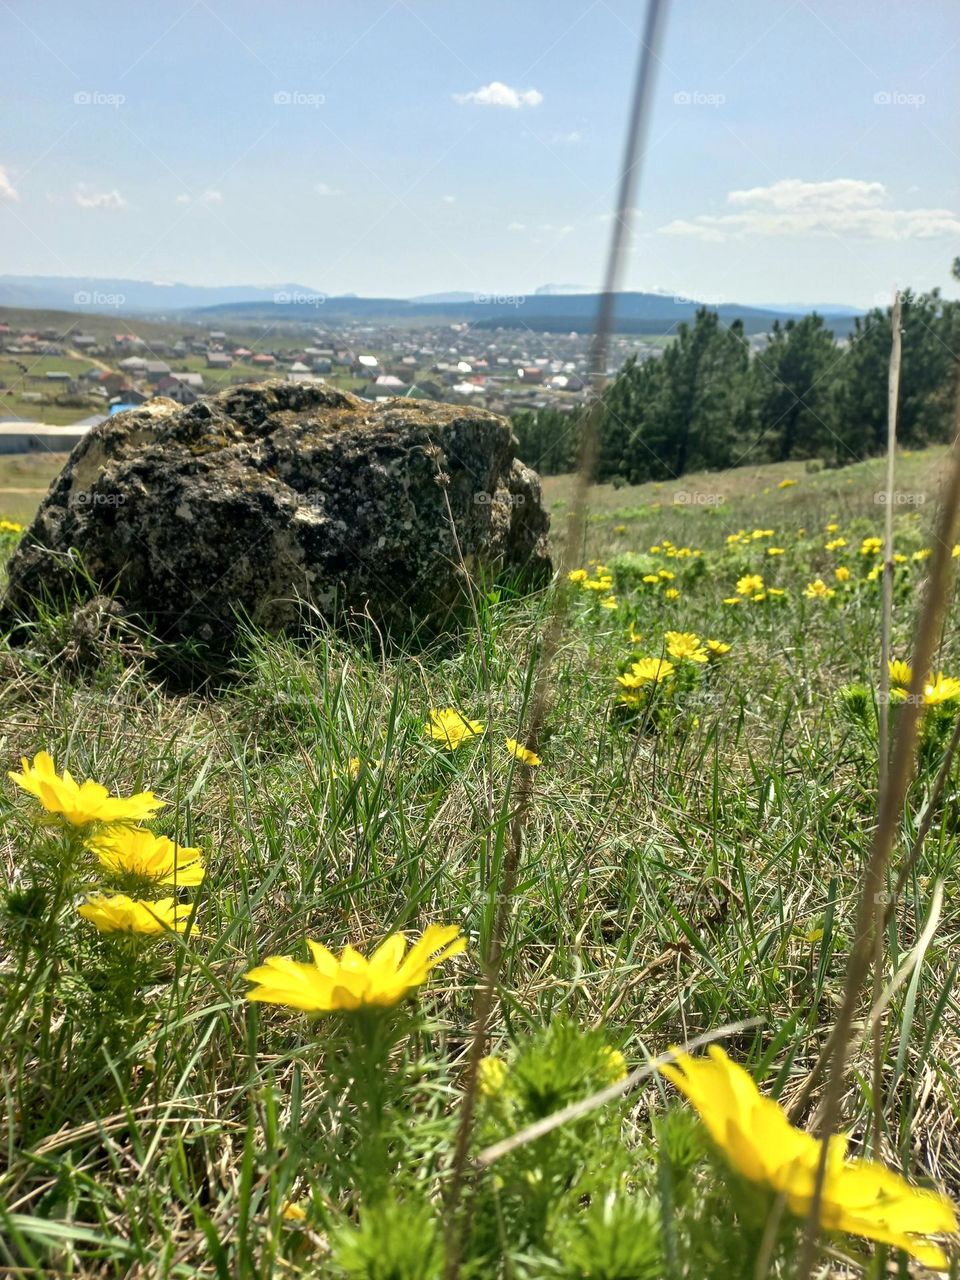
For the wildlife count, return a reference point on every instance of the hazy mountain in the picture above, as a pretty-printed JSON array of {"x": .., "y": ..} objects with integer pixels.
[
  {"x": 553, "y": 308},
  {"x": 105, "y": 295}
]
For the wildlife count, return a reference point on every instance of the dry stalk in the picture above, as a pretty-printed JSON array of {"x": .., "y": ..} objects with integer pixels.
[
  {"x": 556, "y": 622},
  {"x": 892, "y": 796}
]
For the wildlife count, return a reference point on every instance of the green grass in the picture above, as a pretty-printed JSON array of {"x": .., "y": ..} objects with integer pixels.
[{"x": 697, "y": 867}]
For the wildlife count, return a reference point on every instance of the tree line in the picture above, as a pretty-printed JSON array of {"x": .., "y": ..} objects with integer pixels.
[{"x": 709, "y": 402}]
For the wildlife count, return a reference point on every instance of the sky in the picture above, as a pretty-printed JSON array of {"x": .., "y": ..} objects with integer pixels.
[{"x": 799, "y": 151}]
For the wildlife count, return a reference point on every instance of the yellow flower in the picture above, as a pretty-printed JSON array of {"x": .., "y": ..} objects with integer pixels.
[
  {"x": 671, "y": 593},
  {"x": 603, "y": 583},
  {"x": 80, "y": 803},
  {"x": 818, "y": 590},
  {"x": 734, "y": 538},
  {"x": 786, "y": 484},
  {"x": 835, "y": 544},
  {"x": 522, "y": 753},
  {"x": 491, "y": 1075},
  {"x": 666, "y": 575},
  {"x": 619, "y": 528},
  {"x": 718, "y": 647},
  {"x": 833, "y": 528},
  {"x": 655, "y": 550},
  {"x": 353, "y": 768},
  {"x": 646, "y": 671},
  {"x": 775, "y": 551},
  {"x": 956, "y": 551},
  {"x": 634, "y": 635},
  {"x": 10, "y": 526},
  {"x": 841, "y": 573},
  {"x": 615, "y": 1064},
  {"x": 749, "y": 585},
  {"x": 874, "y": 573},
  {"x": 137, "y": 851},
  {"x": 859, "y": 1196},
  {"x": 292, "y": 1212},
  {"x": 684, "y": 644},
  {"x": 651, "y": 579},
  {"x": 608, "y": 602},
  {"x": 353, "y": 981},
  {"x": 452, "y": 729},
  {"x": 732, "y": 600},
  {"x": 871, "y": 546},
  {"x": 578, "y": 575},
  {"x": 120, "y": 914},
  {"x": 901, "y": 673},
  {"x": 923, "y": 554},
  {"x": 939, "y": 689}
]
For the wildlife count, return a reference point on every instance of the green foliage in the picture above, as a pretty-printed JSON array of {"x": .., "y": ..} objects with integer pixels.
[{"x": 709, "y": 402}]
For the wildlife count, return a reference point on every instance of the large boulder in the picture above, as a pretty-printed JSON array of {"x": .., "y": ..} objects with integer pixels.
[{"x": 265, "y": 499}]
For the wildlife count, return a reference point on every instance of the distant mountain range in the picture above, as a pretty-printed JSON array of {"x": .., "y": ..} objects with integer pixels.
[{"x": 552, "y": 308}]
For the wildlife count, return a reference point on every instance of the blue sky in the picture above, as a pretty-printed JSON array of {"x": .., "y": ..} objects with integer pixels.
[{"x": 799, "y": 151}]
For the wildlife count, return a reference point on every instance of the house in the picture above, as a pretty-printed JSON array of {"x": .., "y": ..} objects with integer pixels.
[
  {"x": 530, "y": 374},
  {"x": 387, "y": 382},
  {"x": 298, "y": 372},
  {"x": 156, "y": 369},
  {"x": 194, "y": 380},
  {"x": 262, "y": 360},
  {"x": 178, "y": 391},
  {"x": 84, "y": 340},
  {"x": 135, "y": 365},
  {"x": 218, "y": 360},
  {"x": 127, "y": 400}
]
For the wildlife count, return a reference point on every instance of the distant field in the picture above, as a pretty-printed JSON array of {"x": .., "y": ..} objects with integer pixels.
[{"x": 24, "y": 480}]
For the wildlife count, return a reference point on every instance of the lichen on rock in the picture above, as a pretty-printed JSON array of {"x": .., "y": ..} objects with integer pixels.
[{"x": 265, "y": 499}]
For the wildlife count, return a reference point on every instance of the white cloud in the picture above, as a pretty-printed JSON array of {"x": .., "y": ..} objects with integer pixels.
[
  {"x": 841, "y": 207},
  {"x": 7, "y": 190},
  {"x": 449, "y": 199},
  {"x": 564, "y": 139},
  {"x": 552, "y": 229},
  {"x": 87, "y": 198},
  {"x": 207, "y": 197},
  {"x": 516, "y": 226},
  {"x": 324, "y": 189},
  {"x": 497, "y": 94}
]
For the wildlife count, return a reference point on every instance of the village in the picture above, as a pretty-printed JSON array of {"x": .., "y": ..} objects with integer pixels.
[{"x": 75, "y": 373}]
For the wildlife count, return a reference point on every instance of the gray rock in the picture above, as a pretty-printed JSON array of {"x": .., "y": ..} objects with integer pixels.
[{"x": 276, "y": 499}]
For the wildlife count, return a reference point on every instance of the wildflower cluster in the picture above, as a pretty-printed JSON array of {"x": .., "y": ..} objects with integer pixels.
[
  {"x": 105, "y": 842},
  {"x": 451, "y": 729}
]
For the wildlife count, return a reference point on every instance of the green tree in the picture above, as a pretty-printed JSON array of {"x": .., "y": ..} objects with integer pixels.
[{"x": 793, "y": 378}]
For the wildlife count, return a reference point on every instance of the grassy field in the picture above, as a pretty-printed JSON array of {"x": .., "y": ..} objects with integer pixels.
[{"x": 691, "y": 858}]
